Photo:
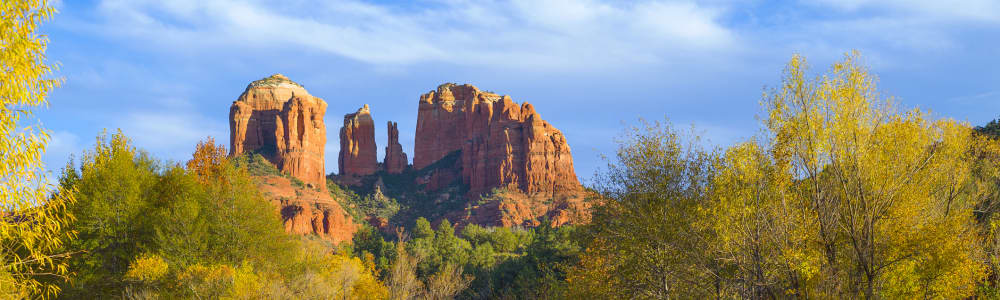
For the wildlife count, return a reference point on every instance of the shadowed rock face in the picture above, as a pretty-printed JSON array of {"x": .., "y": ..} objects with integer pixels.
[
  {"x": 357, "y": 144},
  {"x": 503, "y": 144},
  {"x": 280, "y": 120},
  {"x": 395, "y": 159}
]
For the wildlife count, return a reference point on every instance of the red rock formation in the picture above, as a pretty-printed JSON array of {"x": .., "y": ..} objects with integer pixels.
[
  {"x": 357, "y": 144},
  {"x": 395, "y": 159},
  {"x": 280, "y": 120},
  {"x": 503, "y": 144},
  {"x": 308, "y": 211}
]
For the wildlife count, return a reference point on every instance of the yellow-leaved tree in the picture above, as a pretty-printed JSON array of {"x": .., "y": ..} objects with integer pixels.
[
  {"x": 31, "y": 220},
  {"x": 875, "y": 194},
  {"x": 844, "y": 195}
]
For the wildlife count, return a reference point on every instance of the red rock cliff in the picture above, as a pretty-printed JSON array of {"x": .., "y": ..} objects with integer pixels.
[
  {"x": 395, "y": 159},
  {"x": 503, "y": 144},
  {"x": 357, "y": 144},
  {"x": 280, "y": 120}
]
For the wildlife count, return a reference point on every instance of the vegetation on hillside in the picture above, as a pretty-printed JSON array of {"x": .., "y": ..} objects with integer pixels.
[
  {"x": 398, "y": 198},
  {"x": 149, "y": 229}
]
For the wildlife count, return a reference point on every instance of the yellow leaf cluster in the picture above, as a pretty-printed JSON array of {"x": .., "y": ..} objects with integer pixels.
[{"x": 31, "y": 230}]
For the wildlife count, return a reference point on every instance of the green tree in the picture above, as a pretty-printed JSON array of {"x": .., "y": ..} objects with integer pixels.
[
  {"x": 422, "y": 229},
  {"x": 648, "y": 240},
  {"x": 112, "y": 191},
  {"x": 209, "y": 214}
]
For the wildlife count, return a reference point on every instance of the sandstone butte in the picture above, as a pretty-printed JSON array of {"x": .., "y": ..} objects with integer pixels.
[
  {"x": 280, "y": 120},
  {"x": 502, "y": 144},
  {"x": 395, "y": 161},
  {"x": 357, "y": 145}
]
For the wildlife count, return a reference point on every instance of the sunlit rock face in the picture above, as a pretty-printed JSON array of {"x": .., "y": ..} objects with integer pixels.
[
  {"x": 503, "y": 144},
  {"x": 357, "y": 144},
  {"x": 277, "y": 118}
]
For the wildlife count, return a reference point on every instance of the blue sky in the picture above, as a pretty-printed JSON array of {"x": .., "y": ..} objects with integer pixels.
[{"x": 166, "y": 72}]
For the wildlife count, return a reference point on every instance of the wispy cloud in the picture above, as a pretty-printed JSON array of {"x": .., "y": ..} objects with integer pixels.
[
  {"x": 174, "y": 132},
  {"x": 992, "y": 96},
  {"x": 564, "y": 34}
]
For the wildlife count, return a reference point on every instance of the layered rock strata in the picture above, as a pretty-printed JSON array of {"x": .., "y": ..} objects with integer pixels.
[
  {"x": 357, "y": 144},
  {"x": 277, "y": 118},
  {"x": 395, "y": 161},
  {"x": 502, "y": 144}
]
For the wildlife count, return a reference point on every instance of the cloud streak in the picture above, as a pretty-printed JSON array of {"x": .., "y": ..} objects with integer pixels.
[{"x": 564, "y": 34}]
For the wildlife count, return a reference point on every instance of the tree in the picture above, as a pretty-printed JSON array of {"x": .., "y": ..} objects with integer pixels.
[
  {"x": 208, "y": 161},
  {"x": 31, "y": 232},
  {"x": 402, "y": 278},
  {"x": 648, "y": 234},
  {"x": 422, "y": 229},
  {"x": 882, "y": 189},
  {"x": 759, "y": 257},
  {"x": 112, "y": 190},
  {"x": 244, "y": 226},
  {"x": 446, "y": 283}
]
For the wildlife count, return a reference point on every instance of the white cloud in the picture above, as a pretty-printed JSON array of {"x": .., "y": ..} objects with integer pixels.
[{"x": 562, "y": 34}]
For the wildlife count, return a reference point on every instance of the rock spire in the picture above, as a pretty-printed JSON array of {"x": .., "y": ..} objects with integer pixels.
[
  {"x": 395, "y": 159},
  {"x": 357, "y": 144}
]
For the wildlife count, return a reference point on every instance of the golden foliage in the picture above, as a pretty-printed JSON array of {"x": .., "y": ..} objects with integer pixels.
[
  {"x": 31, "y": 230},
  {"x": 147, "y": 268},
  {"x": 843, "y": 196},
  {"x": 208, "y": 160},
  {"x": 876, "y": 192}
]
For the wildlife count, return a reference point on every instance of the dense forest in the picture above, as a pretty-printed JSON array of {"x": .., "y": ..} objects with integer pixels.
[{"x": 845, "y": 193}]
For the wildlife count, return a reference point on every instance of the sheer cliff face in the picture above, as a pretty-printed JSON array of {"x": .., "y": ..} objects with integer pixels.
[
  {"x": 357, "y": 144},
  {"x": 503, "y": 144},
  {"x": 280, "y": 120}
]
